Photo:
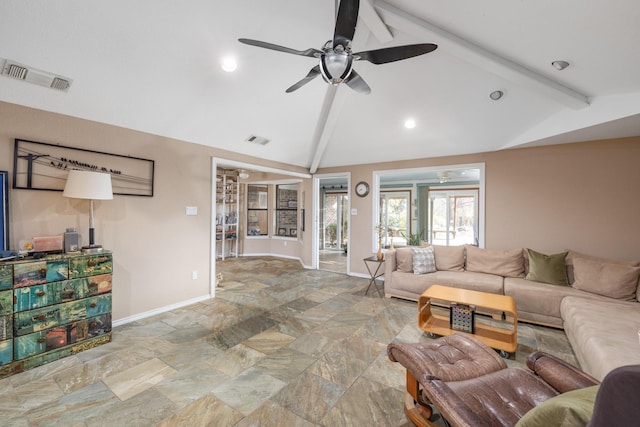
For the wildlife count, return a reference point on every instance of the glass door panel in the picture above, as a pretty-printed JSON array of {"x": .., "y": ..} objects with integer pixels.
[
  {"x": 453, "y": 217},
  {"x": 335, "y": 221},
  {"x": 395, "y": 217}
]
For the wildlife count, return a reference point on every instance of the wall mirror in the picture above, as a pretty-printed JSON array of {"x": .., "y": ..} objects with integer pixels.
[{"x": 441, "y": 205}]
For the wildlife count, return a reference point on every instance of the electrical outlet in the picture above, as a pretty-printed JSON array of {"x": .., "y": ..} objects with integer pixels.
[{"x": 194, "y": 275}]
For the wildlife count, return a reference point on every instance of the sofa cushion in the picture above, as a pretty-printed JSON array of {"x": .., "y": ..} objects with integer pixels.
[
  {"x": 417, "y": 284},
  {"x": 540, "y": 302},
  {"x": 573, "y": 408},
  {"x": 404, "y": 260},
  {"x": 449, "y": 258},
  {"x": 506, "y": 263},
  {"x": 603, "y": 334},
  {"x": 547, "y": 268},
  {"x": 423, "y": 260},
  {"x": 613, "y": 279}
]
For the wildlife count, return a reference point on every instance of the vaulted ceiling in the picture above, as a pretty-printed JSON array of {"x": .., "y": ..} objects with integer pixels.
[{"x": 154, "y": 66}]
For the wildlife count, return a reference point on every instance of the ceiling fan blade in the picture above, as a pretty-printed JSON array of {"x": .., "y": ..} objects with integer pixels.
[
  {"x": 309, "y": 52},
  {"x": 315, "y": 72},
  {"x": 357, "y": 83},
  {"x": 346, "y": 22},
  {"x": 397, "y": 53}
]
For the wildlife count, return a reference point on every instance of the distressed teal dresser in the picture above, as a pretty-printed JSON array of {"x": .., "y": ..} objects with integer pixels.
[{"x": 53, "y": 307}]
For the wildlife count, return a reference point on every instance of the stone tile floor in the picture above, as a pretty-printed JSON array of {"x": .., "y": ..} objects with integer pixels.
[{"x": 278, "y": 346}]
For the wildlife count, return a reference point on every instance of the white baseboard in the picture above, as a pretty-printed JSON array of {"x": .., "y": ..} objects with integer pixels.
[
  {"x": 160, "y": 310},
  {"x": 276, "y": 256}
]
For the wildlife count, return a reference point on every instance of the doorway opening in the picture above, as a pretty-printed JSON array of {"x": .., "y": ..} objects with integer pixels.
[{"x": 332, "y": 225}]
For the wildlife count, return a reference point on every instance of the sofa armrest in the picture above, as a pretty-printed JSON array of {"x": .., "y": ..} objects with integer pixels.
[
  {"x": 450, "y": 406},
  {"x": 559, "y": 374},
  {"x": 390, "y": 266}
]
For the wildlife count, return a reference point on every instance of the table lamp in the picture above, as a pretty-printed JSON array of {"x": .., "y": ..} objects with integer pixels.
[{"x": 91, "y": 186}]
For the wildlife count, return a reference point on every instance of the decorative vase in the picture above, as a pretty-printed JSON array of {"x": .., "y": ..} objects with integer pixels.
[{"x": 380, "y": 255}]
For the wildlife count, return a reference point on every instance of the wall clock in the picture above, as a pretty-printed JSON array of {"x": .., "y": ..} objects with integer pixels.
[{"x": 362, "y": 189}]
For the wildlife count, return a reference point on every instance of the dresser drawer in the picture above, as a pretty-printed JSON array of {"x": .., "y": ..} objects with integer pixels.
[
  {"x": 30, "y": 297},
  {"x": 39, "y": 319},
  {"x": 90, "y": 265},
  {"x": 6, "y": 277},
  {"x": 6, "y": 303},
  {"x": 88, "y": 307},
  {"x": 6, "y": 327},
  {"x": 6, "y": 352},
  {"x": 86, "y": 287},
  {"x": 61, "y": 336},
  {"x": 39, "y": 272}
]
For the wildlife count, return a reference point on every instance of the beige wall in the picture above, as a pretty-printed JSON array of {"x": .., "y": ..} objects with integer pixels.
[
  {"x": 581, "y": 196},
  {"x": 156, "y": 246}
]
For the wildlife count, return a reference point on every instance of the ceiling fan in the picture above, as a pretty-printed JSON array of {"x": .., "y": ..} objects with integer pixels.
[{"x": 336, "y": 58}]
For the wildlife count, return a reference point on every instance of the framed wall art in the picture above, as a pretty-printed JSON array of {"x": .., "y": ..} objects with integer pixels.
[
  {"x": 4, "y": 210},
  {"x": 43, "y": 166}
]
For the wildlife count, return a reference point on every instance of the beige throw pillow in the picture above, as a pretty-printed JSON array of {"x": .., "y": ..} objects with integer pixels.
[
  {"x": 404, "y": 260},
  {"x": 423, "y": 260},
  {"x": 449, "y": 258},
  {"x": 506, "y": 263},
  {"x": 605, "y": 277}
]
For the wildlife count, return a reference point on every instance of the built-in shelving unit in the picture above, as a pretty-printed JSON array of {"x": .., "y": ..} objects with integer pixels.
[{"x": 227, "y": 218}]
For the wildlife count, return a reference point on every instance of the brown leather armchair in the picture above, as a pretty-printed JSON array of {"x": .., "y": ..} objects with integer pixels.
[{"x": 497, "y": 398}]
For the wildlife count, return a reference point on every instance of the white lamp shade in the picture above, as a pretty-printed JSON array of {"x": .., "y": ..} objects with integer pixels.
[{"x": 88, "y": 185}]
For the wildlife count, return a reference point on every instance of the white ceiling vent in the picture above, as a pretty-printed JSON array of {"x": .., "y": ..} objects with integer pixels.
[
  {"x": 257, "y": 140},
  {"x": 42, "y": 78}
]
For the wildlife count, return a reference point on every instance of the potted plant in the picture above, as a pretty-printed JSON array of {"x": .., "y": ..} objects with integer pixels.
[{"x": 413, "y": 239}]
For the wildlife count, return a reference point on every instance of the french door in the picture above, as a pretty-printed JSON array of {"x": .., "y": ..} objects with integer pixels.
[
  {"x": 335, "y": 221},
  {"x": 395, "y": 216},
  {"x": 453, "y": 217}
]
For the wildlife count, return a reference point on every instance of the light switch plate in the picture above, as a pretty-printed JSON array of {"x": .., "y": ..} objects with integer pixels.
[{"x": 192, "y": 210}]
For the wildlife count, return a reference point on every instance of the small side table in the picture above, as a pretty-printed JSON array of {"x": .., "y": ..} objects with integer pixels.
[{"x": 374, "y": 274}]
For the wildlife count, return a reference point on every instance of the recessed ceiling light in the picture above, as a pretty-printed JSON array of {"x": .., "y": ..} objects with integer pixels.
[
  {"x": 229, "y": 64},
  {"x": 496, "y": 94},
  {"x": 410, "y": 123},
  {"x": 560, "y": 65}
]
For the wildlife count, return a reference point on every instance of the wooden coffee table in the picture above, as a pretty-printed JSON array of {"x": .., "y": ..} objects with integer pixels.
[{"x": 503, "y": 339}]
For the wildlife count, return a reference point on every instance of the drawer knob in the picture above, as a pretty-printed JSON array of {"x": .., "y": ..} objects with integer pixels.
[
  {"x": 93, "y": 305},
  {"x": 40, "y": 293},
  {"x": 41, "y": 317},
  {"x": 41, "y": 340}
]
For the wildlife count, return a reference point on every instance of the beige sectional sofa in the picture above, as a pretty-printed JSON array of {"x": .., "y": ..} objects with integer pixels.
[{"x": 597, "y": 304}]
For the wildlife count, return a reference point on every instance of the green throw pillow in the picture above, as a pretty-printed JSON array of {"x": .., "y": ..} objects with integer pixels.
[
  {"x": 570, "y": 409},
  {"x": 547, "y": 268}
]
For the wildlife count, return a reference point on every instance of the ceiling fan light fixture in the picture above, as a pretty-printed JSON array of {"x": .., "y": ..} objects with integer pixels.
[
  {"x": 336, "y": 66},
  {"x": 560, "y": 65}
]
